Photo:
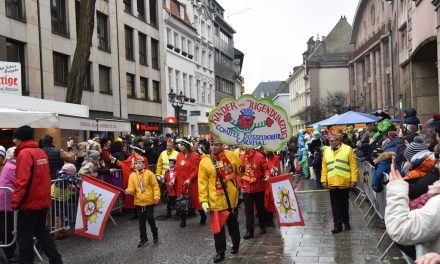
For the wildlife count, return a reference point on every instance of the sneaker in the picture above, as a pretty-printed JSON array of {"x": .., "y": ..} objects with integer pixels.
[{"x": 142, "y": 243}]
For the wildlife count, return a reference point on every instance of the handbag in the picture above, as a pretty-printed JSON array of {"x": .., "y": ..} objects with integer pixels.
[{"x": 183, "y": 203}]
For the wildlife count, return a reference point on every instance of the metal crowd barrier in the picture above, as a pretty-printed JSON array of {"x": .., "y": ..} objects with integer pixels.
[
  {"x": 8, "y": 222},
  {"x": 378, "y": 203}
]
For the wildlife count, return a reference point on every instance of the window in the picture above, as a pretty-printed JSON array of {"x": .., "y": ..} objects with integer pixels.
[
  {"x": 194, "y": 113},
  {"x": 58, "y": 12},
  {"x": 153, "y": 13},
  {"x": 367, "y": 65},
  {"x": 131, "y": 89},
  {"x": 190, "y": 50},
  {"x": 177, "y": 76},
  {"x": 143, "y": 84},
  {"x": 129, "y": 43},
  {"x": 182, "y": 13},
  {"x": 102, "y": 30},
  {"x": 60, "y": 68},
  {"x": 170, "y": 78},
  {"x": 104, "y": 79},
  {"x": 209, "y": 94},
  {"x": 210, "y": 61},
  {"x": 168, "y": 4},
  {"x": 141, "y": 9},
  {"x": 190, "y": 86},
  {"x": 204, "y": 58},
  {"x": 156, "y": 91},
  {"x": 169, "y": 37},
  {"x": 176, "y": 40},
  {"x": 225, "y": 37},
  {"x": 217, "y": 56},
  {"x": 127, "y": 6},
  {"x": 226, "y": 86},
  {"x": 209, "y": 32},
  {"x": 183, "y": 41},
  {"x": 198, "y": 89},
  {"x": 142, "y": 49},
  {"x": 15, "y": 53},
  {"x": 196, "y": 55},
  {"x": 14, "y": 9},
  {"x": 185, "y": 91},
  {"x": 202, "y": 27},
  {"x": 155, "y": 54},
  {"x": 87, "y": 85},
  {"x": 387, "y": 52},
  {"x": 203, "y": 93}
]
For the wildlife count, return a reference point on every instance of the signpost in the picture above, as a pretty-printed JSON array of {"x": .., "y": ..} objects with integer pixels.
[{"x": 10, "y": 78}]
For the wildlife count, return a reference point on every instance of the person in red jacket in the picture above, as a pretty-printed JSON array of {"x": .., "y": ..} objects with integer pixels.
[
  {"x": 170, "y": 181},
  {"x": 32, "y": 197},
  {"x": 255, "y": 174},
  {"x": 187, "y": 168},
  {"x": 274, "y": 165}
]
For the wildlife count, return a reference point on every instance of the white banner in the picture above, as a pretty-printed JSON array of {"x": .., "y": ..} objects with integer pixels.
[
  {"x": 94, "y": 207},
  {"x": 10, "y": 77}
]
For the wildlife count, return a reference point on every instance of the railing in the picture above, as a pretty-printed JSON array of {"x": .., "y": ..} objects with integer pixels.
[{"x": 8, "y": 222}]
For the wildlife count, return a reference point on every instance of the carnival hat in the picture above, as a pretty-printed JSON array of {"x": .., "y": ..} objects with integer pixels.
[{"x": 213, "y": 139}]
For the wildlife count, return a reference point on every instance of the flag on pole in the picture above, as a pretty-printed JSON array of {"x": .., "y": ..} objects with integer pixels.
[
  {"x": 286, "y": 204},
  {"x": 95, "y": 203}
]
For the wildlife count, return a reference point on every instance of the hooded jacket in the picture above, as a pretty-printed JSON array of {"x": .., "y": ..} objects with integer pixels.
[
  {"x": 32, "y": 187},
  {"x": 411, "y": 117},
  {"x": 426, "y": 161}
]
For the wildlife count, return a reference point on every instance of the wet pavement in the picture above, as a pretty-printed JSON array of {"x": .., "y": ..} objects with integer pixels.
[{"x": 312, "y": 243}]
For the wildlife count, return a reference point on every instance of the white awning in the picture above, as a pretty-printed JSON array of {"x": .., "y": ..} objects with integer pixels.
[
  {"x": 79, "y": 123},
  {"x": 13, "y": 118}
]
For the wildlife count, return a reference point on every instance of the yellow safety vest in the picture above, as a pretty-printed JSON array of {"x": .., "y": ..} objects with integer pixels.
[
  {"x": 165, "y": 157},
  {"x": 337, "y": 162}
]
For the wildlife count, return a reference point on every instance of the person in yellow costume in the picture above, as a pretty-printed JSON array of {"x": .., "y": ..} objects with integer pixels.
[
  {"x": 339, "y": 174},
  {"x": 212, "y": 195}
]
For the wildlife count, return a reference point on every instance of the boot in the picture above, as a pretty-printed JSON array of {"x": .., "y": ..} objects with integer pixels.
[
  {"x": 219, "y": 257},
  {"x": 183, "y": 220},
  {"x": 249, "y": 234},
  {"x": 203, "y": 217}
]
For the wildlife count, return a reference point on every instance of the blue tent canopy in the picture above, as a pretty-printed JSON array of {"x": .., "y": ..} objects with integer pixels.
[{"x": 349, "y": 118}]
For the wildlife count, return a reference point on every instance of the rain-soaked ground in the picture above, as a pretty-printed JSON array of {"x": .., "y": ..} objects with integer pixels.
[{"x": 312, "y": 243}]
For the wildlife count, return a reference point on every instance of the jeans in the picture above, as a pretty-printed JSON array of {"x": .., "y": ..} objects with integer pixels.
[
  {"x": 383, "y": 166},
  {"x": 339, "y": 200},
  {"x": 146, "y": 213},
  {"x": 30, "y": 224}
]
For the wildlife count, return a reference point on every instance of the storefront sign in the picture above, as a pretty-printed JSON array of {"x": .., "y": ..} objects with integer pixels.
[
  {"x": 251, "y": 122},
  {"x": 68, "y": 122},
  {"x": 10, "y": 77},
  {"x": 146, "y": 127}
]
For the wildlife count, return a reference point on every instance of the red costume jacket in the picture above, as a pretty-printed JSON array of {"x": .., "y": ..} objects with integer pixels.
[
  {"x": 168, "y": 177},
  {"x": 31, "y": 160},
  {"x": 273, "y": 162},
  {"x": 254, "y": 169},
  {"x": 187, "y": 169}
]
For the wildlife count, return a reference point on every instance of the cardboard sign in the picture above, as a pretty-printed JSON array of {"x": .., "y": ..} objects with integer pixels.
[
  {"x": 10, "y": 78},
  {"x": 287, "y": 207},
  {"x": 251, "y": 122}
]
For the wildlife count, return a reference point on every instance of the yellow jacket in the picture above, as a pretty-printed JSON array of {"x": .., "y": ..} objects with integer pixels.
[
  {"x": 207, "y": 181},
  {"x": 161, "y": 167},
  {"x": 338, "y": 181},
  {"x": 151, "y": 188}
]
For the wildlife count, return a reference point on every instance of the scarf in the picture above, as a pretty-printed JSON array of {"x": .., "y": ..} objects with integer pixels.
[
  {"x": 226, "y": 172},
  {"x": 249, "y": 167}
]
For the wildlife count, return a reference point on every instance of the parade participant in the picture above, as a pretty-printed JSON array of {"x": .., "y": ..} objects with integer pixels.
[
  {"x": 274, "y": 165},
  {"x": 170, "y": 182},
  {"x": 162, "y": 162},
  {"x": 105, "y": 154},
  {"x": 256, "y": 173},
  {"x": 32, "y": 197},
  {"x": 339, "y": 173},
  {"x": 240, "y": 150},
  {"x": 127, "y": 168},
  {"x": 187, "y": 166},
  {"x": 142, "y": 184},
  {"x": 212, "y": 186}
]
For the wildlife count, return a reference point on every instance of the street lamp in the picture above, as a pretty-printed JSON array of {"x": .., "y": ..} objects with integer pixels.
[{"x": 177, "y": 103}]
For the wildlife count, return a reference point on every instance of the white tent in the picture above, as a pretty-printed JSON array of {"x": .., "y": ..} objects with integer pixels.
[{"x": 13, "y": 118}]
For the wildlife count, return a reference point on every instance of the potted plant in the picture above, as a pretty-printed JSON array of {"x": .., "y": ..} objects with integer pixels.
[
  {"x": 190, "y": 56},
  {"x": 184, "y": 53},
  {"x": 186, "y": 99},
  {"x": 176, "y": 49},
  {"x": 192, "y": 100},
  {"x": 170, "y": 46}
]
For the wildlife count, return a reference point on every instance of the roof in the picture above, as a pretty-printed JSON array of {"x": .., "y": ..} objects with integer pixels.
[
  {"x": 270, "y": 89},
  {"x": 175, "y": 11},
  {"x": 335, "y": 47}
]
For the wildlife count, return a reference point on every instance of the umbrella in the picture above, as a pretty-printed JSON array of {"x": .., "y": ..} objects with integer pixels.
[
  {"x": 13, "y": 118},
  {"x": 350, "y": 118}
]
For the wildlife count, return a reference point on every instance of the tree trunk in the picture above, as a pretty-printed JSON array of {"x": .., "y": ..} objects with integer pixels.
[{"x": 80, "y": 63}]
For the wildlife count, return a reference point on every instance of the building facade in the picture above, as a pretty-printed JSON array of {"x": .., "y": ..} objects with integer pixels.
[
  {"x": 415, "y": 53},
  {"x": 124, "y": 74},
  {"x": 371, "y": 69},
  {"x": 299, "y": 98}
]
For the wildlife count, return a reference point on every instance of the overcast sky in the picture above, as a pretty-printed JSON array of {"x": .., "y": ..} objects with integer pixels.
[{"x": 272, "y": 34}]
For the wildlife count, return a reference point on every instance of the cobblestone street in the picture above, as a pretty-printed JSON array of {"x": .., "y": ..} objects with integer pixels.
[{"x": 312, "y": 243}]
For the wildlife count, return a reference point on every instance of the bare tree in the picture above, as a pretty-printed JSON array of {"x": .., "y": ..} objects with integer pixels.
[
  {"x": 78, "y": 70},
  {"x": 335, "y": 103}
]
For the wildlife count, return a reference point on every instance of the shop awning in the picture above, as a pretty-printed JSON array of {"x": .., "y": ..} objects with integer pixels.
[{"x": 13, "y": 118}]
